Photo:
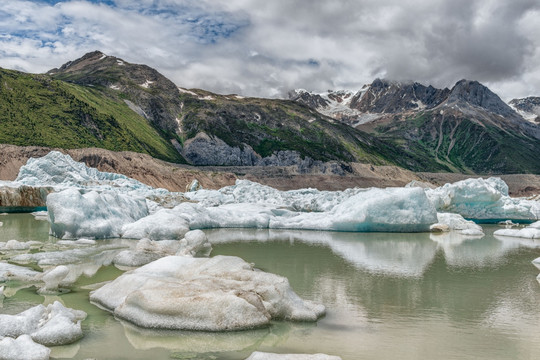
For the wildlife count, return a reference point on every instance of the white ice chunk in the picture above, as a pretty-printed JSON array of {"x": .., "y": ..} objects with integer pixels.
[
  {"x": 41, "y": 215},
  {"x": 245, "y": 191},
  {"x": 161, "y": 225},
  {"x": 18, "y": 245},
  {"x": 50, "y": 325},
  {"x": 530, "y": 232},
  {"x": 220, "y": 293},
  {"x": 22, "y": 348},
  {"x": 194, "y": 242},
  {"x": 15, "y": 272},
  {"x": 53, "y": 277},
  {"x": 99, "y": 215},
  {"x": 257, "y": 355},
  {"x": 536, "y": 262},
  {"x": 482, "y": 199},
  {"x": 458, "y": 223}
]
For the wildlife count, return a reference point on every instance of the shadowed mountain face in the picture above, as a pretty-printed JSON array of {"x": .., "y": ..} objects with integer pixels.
[{"x": 467, "y": 128}]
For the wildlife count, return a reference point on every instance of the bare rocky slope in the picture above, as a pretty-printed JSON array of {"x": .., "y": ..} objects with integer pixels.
[{"x": 175, "y": 177}]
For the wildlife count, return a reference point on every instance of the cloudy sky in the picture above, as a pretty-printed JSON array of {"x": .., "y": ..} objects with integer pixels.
[{"x": 265, "y": 48}]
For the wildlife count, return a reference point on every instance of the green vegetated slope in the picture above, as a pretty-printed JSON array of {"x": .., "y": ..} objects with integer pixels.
[
  {"x": 269, "y": 125},
  {"x": 38, "y": 110},
  {"x": 464, "y": 144}
]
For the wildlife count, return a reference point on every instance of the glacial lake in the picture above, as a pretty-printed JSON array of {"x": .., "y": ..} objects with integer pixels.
[{"x": 388, "y": 296}]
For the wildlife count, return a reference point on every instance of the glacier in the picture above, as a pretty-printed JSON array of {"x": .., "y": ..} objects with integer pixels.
[{"x": 209, "y": 294}]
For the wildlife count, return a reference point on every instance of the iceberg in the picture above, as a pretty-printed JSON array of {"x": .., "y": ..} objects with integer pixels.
[
  {"x": 457, "y": 223},
  {"x": 61, "y": 171},
  {"x": 48, "y": 325},
  {"x": 530, "y": 232},
  {"x": 390, "y": 210},
  {"x": 257, "y": 355},
  {"x": 98, "y": 215},
  {"x": 482, "y": 199},
  {"x": 208, "y": 294},
  {"x": 245, "y": 191}
]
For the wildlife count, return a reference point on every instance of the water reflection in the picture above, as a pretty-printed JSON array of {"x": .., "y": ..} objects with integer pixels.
[{"x": 416, "y": 295}]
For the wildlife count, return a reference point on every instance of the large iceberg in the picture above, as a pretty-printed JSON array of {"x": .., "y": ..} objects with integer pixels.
[
  {"x": 245, "y": 191},
  {"x": 392, "y": 210},
  {"x": 99, "y": 215},
  {"x": 484, "y": 200},
  {"x": 215, "y": 294},
  {"x": 61, "y": 171}
]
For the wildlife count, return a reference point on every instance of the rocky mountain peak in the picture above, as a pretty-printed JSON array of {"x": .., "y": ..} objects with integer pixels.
[
  {"x": 147, "y": 91},
  {"x": 474, "y": 93},
  {"x": 528, "y": 108}
]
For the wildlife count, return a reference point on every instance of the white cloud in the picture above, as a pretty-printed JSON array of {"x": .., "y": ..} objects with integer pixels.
[{"x": 266, "y": 48}]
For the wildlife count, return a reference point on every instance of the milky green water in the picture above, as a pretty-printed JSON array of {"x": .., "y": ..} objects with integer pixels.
[{"x": 388, "y": 296}]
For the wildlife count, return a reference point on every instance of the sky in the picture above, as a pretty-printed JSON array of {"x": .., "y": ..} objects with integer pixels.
[{"x": 266, "y": 48}]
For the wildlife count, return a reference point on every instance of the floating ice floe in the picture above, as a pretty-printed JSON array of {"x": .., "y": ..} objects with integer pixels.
[
  {"x": 18, "y": 245},
  {"x": 215, "y": 294},
  {"x": 482, "y": 199},
  {"x": 257, "y": 355},
  {"x": 449, "y": 221},
  {"x": 48, "y": 325},
  {"x": 530, "y": 232},
  {"x": 22, "y": 348},
  {"x": 15, "y": 272}
]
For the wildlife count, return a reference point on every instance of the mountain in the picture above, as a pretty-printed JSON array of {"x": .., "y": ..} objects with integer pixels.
[
  {"x": 40, "y": 110},
  {"x": 528, "y": 108},
  {"x": 106, "y": 102},
  {"x": 467, "y": 128},
  {"x": 144, "y": 89},
  {"x": 103, "y": 101}
]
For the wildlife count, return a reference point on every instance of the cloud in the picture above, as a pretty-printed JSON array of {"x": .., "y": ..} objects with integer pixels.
[{"x": 267, "y": 48}]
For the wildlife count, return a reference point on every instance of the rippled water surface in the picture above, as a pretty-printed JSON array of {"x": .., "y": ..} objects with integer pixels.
[{"x": 406, "y": 296}]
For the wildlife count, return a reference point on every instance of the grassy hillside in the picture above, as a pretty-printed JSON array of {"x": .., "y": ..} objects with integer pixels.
[
  {"x": 38, "y": 110},
  {"x": 463, "y": 144}
]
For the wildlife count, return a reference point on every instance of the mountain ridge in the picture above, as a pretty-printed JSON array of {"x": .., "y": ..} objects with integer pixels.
[{"x": 110, "y": 103}]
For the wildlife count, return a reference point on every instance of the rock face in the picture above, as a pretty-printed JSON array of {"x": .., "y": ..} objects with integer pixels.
[
  {"x": 211, "y": 150},
  {"x": 216, "y": 294},
  {"x": 23, "y": 198}
]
